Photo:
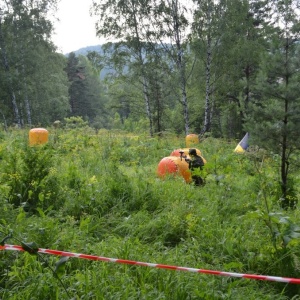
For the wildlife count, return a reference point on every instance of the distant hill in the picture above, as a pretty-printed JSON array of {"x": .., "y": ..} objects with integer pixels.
[
  {"x": 97, "y": 48},
  {"x": 85, "y": 50}
]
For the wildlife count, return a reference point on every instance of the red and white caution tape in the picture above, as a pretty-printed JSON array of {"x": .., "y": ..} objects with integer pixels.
[{"x": 153, "y": 265}]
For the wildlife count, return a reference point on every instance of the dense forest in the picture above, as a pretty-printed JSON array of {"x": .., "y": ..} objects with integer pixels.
[{"x": 208, "y": 67}]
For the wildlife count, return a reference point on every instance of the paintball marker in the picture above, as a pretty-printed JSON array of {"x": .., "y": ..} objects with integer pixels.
[{"x": 181, "y": 153}]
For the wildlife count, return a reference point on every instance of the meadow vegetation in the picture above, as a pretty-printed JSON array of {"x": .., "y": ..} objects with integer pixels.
[{"x": 98, "y": 193}]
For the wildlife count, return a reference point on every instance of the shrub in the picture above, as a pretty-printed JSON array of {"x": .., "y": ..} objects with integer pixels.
[{"x": 30, "y": 174}]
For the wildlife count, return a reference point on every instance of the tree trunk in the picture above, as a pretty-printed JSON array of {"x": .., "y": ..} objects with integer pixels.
[
  {"x": 181, "y": 67},
  {"x": 147, "y": 103},
  {"x": 4, "y": 121},
  {"x": 26, "y": 100},
  {"x": 184, "y": 101},
  {"x": 207, "y": 116},
  {"x": 158, "y": 106},
  {"x": 284, "y": 157},
  {"x": 144, "y": 81}
]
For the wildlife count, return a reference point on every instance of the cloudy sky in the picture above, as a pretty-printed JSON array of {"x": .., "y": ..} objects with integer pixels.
[{"x": 76, "y": 28}]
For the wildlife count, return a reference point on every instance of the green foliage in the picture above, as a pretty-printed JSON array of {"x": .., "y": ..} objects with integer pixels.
[
  {"x": 29, "y": 173},
  {"x": 60, "y": 266},
  {"x": 34, "y": 87},
  {"x": 110, "y": 202},
  {"x": 75, "y": 122},
  {"x": 85, "y": 89}
]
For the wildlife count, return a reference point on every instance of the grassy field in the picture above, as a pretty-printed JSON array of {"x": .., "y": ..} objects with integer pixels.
[{"x": 98, "y": 193}]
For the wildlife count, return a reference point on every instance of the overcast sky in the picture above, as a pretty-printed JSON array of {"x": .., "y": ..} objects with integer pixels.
[{"x": 76, "y": 28}]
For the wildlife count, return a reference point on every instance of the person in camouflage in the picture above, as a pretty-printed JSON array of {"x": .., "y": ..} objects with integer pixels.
[{"x": 196, "y": 164}]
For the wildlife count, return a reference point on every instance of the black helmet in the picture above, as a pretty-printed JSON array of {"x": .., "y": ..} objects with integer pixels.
[{"x": 192, "y": 151}]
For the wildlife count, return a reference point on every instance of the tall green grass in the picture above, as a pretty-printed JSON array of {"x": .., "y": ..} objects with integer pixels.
[{"x": 100, "y": 194}]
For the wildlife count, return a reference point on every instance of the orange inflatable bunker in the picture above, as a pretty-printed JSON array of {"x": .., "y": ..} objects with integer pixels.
[
  {"x": 38, "y": 136},
  {"x": 176, "y": 152},
  {"x": 174, "y": 165},
  {"x": 191, "y": 139}
]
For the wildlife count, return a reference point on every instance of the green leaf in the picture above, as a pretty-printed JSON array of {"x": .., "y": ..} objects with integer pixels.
[
  {"x": 294, "y": 231},
  {"x": 286, "y": 240},
  {"x": 31, "y": 248},
  {"x": 284, "y": 220},
  {"x": 233, "y": 265},
  {"x": 60, "y": 266},
  {"x": 291, "y": 233},
  {"x": 41, "y": 197},
  {"x": 40, "y": 211}
]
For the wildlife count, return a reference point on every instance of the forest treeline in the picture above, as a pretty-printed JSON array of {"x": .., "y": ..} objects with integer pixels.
[
  {"x": 219, "y": 68},
  {"x": 180, "y": 66}
]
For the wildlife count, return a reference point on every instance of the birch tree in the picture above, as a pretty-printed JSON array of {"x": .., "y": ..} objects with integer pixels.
[
  {"x": 208, "y": 22},
  {"x": 122, "y": 21},
  {"x": 28, "y": 58},
  {"x": 169, "y": 26}
]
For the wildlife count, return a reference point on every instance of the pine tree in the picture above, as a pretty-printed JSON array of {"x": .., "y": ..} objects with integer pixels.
[{"x": 274, "y": 121}]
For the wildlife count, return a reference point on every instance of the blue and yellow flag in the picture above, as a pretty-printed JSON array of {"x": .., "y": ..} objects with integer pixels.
[{"x": 243, "y": 144}]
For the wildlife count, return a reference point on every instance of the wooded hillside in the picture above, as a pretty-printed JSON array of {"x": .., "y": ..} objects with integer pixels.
[{"x": 203, "y": 68}]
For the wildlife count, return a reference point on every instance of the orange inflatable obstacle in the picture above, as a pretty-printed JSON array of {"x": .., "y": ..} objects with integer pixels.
[
  {"x": 174, "y": 165},
  {"x": 191, "y": 139},
  {"x": 38, "y": 136},
  {"x": 176, "y": 152}
]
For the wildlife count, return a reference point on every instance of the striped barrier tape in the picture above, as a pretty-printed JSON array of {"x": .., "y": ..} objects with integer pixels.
[{"x": 154, "y": 265}]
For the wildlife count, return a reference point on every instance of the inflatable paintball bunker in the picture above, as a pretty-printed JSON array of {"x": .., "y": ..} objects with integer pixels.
[
  {"x": 38, "y": 136},
  {"x": 242, "y": 145},
  {"x": 191, "y": 139},
  {"x": 174, "y": 165},
  {"x": 176, "y": 152}
]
